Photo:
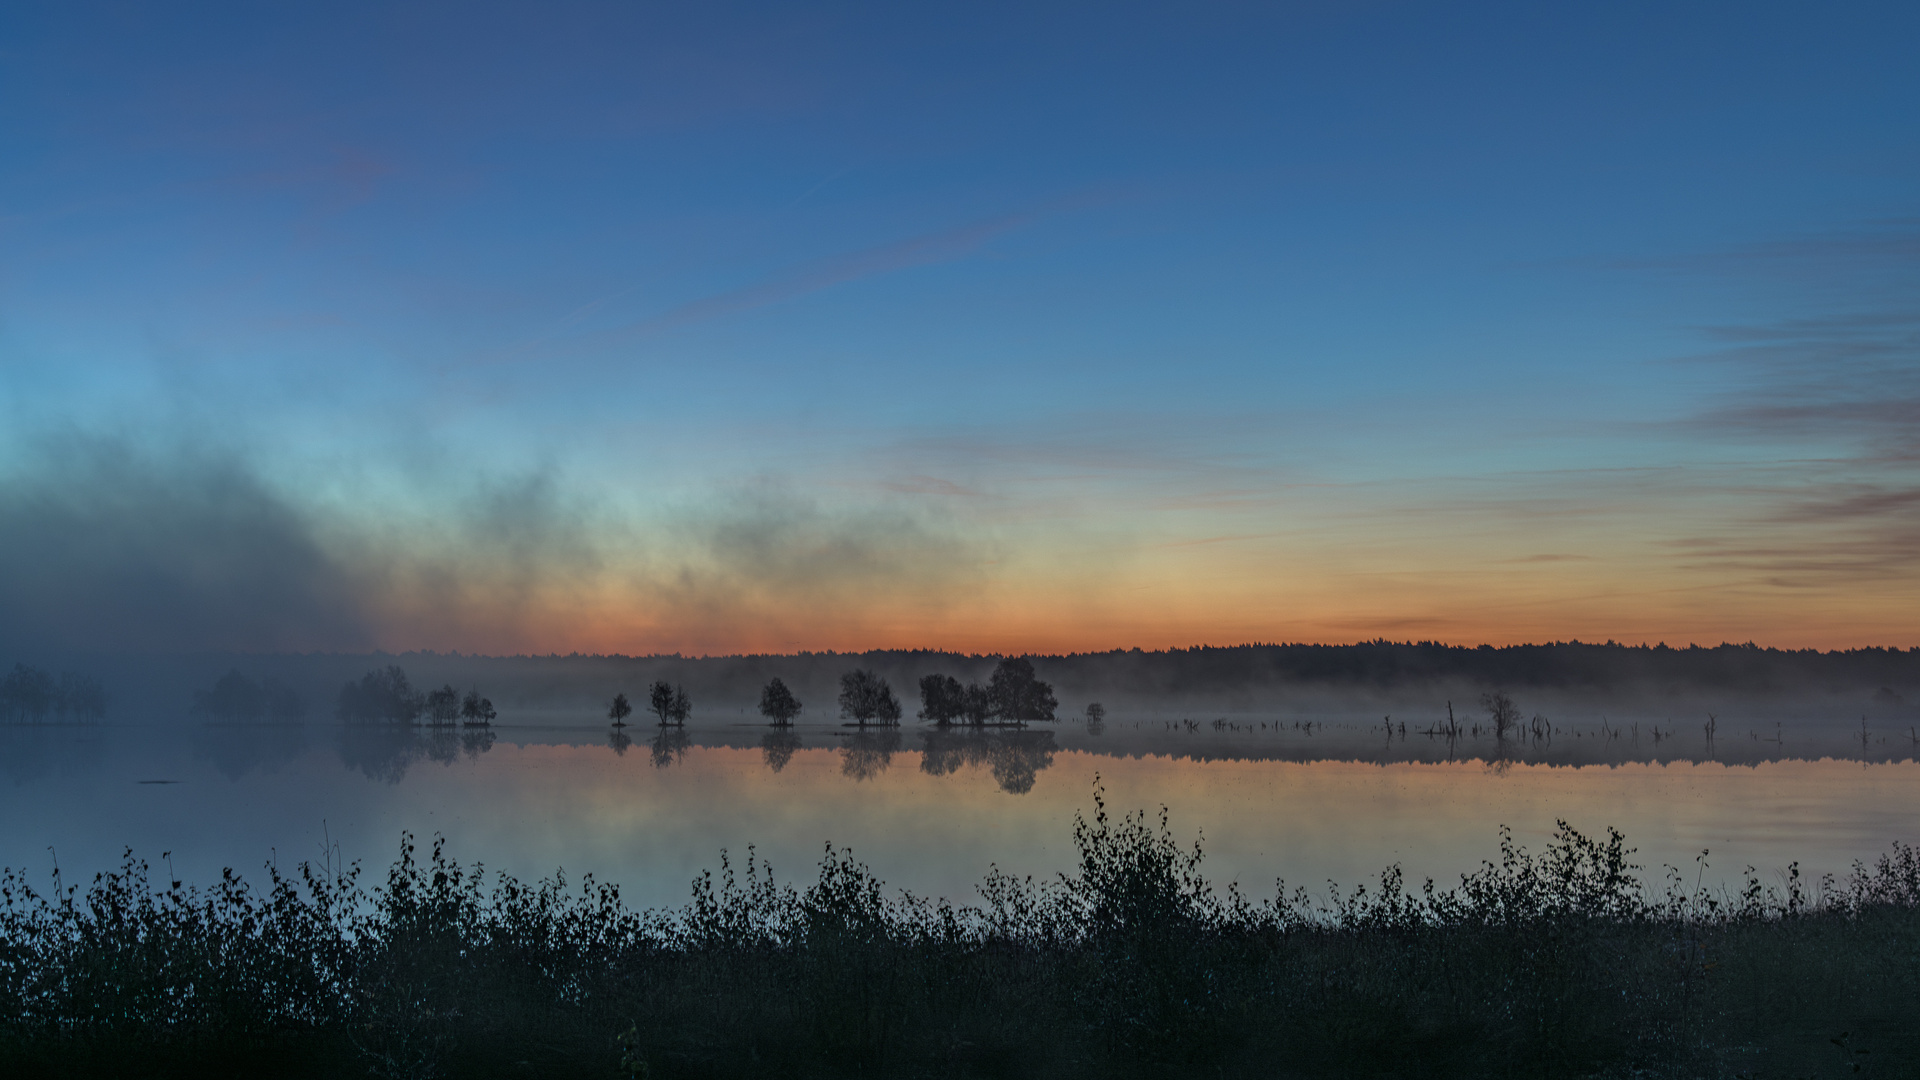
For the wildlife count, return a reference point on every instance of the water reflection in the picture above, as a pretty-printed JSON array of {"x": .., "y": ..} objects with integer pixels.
[
  {"x": 386, "y": 751},
  {"x": 28, "y": 754},
  {"x": 1015, "y": 757},
  {"x": 619, "y": 741},
  {"x": 867, "y": 754},
  {"x": 778, "y": 747},
  {"x": 670, "y": 746},
  {"x": 238, "y": 749}
]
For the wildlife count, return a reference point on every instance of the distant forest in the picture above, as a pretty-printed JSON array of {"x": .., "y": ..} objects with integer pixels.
[
  {"x": 31, "y": 695},
  {"x": 1205, "y": 671},
  {"x": 1258, "y": 676},
  {"x": 1570, "y": 665}
]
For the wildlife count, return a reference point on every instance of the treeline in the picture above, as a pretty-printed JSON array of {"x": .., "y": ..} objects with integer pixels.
[
  {"x": 32, "y": 695},
  {"x": 1570, "y": 665},
  {"x": 1242, "y": 676},
  {"x": 1560, "y": 964}
]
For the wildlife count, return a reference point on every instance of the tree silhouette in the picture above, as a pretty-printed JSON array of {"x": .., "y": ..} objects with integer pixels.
[
  {"x": 660, "y": 702},
  {"x": 866, "y": 698},
  {"x": 977, "y": 705},
  {"x": 942, "y": 699},
  {"x": 620, "y": 710},
  {"x": 233, "y": 699},
  {"x": 477, "y": 711},
  {"x": 27, "y": 693},
  {"x": 682, "y": 706},
  {"x": 381, "y": 695},
  {"x": 778, "y": 704},
  {"x": 1017, "y": 695},
  {"x": 443, "y": 705},
  {"x": 1501, "y": 711}
]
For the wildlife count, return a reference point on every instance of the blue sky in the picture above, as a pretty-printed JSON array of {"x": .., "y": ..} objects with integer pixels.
[{"x": 634, "y": 327}]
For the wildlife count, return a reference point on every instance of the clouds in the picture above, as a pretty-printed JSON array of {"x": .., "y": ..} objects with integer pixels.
[
  {"x": 770, "y": 568},
  {"x": 108, "y": 549},
  {"x": 1851, "y": 382},
  {"x": 113, "y": 547}
]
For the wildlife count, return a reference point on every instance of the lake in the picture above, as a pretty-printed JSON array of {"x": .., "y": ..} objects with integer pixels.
[{"x": 1274, "y": 796}]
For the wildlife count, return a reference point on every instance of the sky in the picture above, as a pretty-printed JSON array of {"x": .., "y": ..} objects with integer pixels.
[{"x": 714, "y": 328}]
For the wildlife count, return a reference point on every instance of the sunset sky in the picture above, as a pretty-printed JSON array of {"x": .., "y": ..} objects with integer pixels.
[{"x": 713, "y": 328}]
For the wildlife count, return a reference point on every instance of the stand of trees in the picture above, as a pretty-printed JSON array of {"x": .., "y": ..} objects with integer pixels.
[
  {"x": 867, "y": 699},
  {"x": 476, "y": 711},
  {"x": 382, "y": 695},
  {"x": 443, "y": 706},
  {"x": 778, "y": 704},
  {"x": 1013, "y": 695},
  {"x": 619, "y": 710},
  {"x": 30, "y": 694},
  {"x": 238, "y": 699},
  {"x": 385, "y": 696},
  {"x": 670, "y": 703}
]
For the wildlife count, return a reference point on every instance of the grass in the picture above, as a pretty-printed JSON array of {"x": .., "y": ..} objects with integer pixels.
[{"x": 1560, "y": 963}]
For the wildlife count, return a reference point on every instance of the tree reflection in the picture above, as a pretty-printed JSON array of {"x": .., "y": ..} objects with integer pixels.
[
  {"x": 619, "y": 740},
  {"x": 1015, "y": 757},
  {"x": 944, "y": 752},
  {"x": 778, "y": 746},
  {"x": 669, "y": 747},
  {"x": 386, "y": 751},
  {"x": 475, "y": 743},
  {"x": 1018, "y": 759},
  {"x": 380, "y": 752},
  {"x": 31, "y": 754},
  {"x": 868, "y": 753},
  {"x": 238, "y": 749}
]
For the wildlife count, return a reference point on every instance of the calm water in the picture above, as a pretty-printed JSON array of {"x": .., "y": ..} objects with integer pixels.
[{"x": 1336, "y": 799}]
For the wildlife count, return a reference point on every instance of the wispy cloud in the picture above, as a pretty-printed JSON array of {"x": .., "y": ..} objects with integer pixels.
[
  {"x": 791, "y": 283},
  {"x": 923, "y": 250}
]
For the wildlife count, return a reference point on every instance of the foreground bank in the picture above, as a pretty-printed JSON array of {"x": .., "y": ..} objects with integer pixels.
[{"x": 1569, "y": 962}]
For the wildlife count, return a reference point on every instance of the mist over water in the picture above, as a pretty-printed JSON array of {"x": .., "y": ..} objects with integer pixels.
[{"x": 1309, "y": 794}]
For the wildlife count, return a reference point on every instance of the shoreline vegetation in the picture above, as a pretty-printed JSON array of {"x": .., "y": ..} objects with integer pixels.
[{"x": 1570, "y": 962}]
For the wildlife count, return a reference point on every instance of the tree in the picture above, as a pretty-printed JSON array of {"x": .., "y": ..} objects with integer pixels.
[
  {"x": 778, "y": 704},
  {"x": 660, "y": 702},
  {"x": 682, "y": 706},
  {"x": 443, "y": 705},
  {"x": 233, "y": 699},
  {"x": 942, "y": 699},
  {"x": 977, "y": 705},
  {"x": 620, "y": 710},
  {"x": 866, "y": 697},
  {"x": 476, "y": 710},
  {"x": 381, "y": 695},
  {"x": 1017, "y": 695},
  {"x": 1501, "y": 711},
  {"x": 887, "y": 709},
  {"x": 27, "y": 692}
]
